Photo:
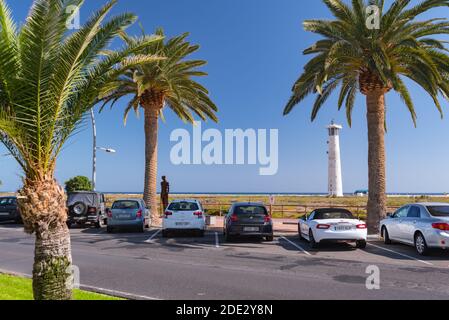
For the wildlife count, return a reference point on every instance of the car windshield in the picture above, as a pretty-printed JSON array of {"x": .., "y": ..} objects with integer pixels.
[
  {"x": 125, "y": 205},
  {"x": 249, "y": 210},
  {"x": 183, "y": 206},
  {"x": 7, "y": 201},
  {"x": 439, "y": 211},
  {"x": 333, "y": 215}
]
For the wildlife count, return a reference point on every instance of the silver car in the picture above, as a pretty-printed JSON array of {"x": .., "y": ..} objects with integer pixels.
[
  {"x": 423, "y": 225},
  {"x": 128, "y": 213}
]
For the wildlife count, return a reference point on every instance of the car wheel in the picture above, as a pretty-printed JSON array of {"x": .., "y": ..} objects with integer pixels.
[
  {"x": 312, "y": 241},
  {"x": 421, "y": 244},
  {"x": 69, "y": 225},
  {"x": 109, "y": 230},
  {"x": 299, "y": 232},
  {"x": 228, "y": 237},
  {"x": 361, "y": 244},
  {"x": 386, "y": 235},
  {"x": 269, "y": 238}
]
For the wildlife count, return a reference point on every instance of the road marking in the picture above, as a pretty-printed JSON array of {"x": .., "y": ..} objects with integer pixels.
[
  {"x": 116, "y": 293},
  {"x": 153, "y": 236},
  {"x": 296, "y": 245},
  {"x": 401, "y": 254},
  {"x": 13, "y": 229},
  {"x": 217, "y": 242}
]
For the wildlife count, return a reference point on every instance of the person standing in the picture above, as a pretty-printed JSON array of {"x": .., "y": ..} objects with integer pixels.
[{"x": 165, "y": 191}]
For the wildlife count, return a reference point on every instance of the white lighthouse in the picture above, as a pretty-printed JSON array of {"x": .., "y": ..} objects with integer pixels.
[{"x": 335, "y": 178}]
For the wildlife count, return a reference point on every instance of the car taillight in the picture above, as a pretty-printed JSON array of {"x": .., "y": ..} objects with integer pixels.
[
  {"x": 267, "y": 219},
  {"x": 92, "y": 210},
  {"x": 361, "y": 226},
  {"x": 323, "y": 226},
  {"x": 234, "y": 218},
  {"x": 441, "y": 226},
  {"x": 199, "y": 214},
  {"x": 168, "y": 213},
  {"x": 109, "y": 213},
  {"x": 139, "y": 214}
]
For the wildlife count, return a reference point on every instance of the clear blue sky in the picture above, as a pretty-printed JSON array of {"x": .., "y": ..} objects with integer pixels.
[{"x": 254, "y": 52}]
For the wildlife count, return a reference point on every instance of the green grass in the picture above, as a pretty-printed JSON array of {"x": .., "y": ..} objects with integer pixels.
[{"x": 16, "y": 288}]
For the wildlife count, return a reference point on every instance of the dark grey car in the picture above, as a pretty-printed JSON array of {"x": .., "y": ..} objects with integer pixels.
[
  {"x": 86, "y": 208},
  {"x": 9, "y": 211},
  {"x": 248, "y": 219}
]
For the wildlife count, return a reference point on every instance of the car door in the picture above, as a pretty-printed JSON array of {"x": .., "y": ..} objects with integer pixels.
[
  {"x": 394, "y": 225},
  {"x": 305, "y": 227},
  {"x": 408, "y": 226}
]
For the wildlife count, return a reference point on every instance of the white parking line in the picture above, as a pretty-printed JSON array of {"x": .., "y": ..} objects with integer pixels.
[
  {"x": 153, "y": 236},
  {"x": 401, "y": 254},
  {"x": 296, "y": 246},
  {"x": 217, "y": 242}
]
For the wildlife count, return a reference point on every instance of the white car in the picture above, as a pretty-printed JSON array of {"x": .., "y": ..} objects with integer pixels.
[
  {"x": 184, "y": 215},
  {"x": 332, "y": 225},
  {"x": 422, "y": 225}
]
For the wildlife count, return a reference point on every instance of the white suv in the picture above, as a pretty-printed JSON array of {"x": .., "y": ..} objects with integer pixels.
[{"x": 184, "y": 215}]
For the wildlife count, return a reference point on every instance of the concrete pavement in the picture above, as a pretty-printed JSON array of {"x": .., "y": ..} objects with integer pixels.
[{"x": 147, "y": 266}]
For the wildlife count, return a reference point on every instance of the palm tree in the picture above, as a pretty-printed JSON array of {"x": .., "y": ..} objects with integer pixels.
[
  {"x": 354, "y": 56},
  {"x": 167, "y": 82},
  {"x": 49, "y": 78}
]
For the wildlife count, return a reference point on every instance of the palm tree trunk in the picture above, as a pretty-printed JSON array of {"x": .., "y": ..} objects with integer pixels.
[
  {"x": 151, "y": 145},
  {"x": 44, "y": 213},
  {"x": 377, "y": 200}
]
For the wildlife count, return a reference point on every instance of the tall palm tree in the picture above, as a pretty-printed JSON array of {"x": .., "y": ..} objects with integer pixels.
[
  {"x": 49, "y": 78},
  {"x": 167, "y": 82},
  {"x": 354, "y": 56}
]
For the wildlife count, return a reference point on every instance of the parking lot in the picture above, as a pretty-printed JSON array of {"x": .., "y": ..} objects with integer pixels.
[{"x": 146, "y": 265}]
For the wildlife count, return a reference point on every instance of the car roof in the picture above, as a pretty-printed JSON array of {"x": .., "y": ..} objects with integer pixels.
[
  {"x": 185, "y": 200},
  {"x": 327, "y": 210},
  {"x": 248, "y": 204},
  {"x": 6, "y": 197},
  {"x": 84, "y": 192},
  {"x": 129, "y": 199},
  {"x": 432, "y": 204}
]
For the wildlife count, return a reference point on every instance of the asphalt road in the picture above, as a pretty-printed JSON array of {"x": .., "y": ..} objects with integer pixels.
[{"x": 146, "y": 266}]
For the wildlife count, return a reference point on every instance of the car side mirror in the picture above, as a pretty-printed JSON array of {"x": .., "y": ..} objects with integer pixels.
[{"x": 390, "y": 215}]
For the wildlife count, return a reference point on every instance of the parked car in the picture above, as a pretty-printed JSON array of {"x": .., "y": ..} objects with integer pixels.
[
  {"x": 9, "y": 210},
  {"x": 184, "y": 215},
  {"x": 332, "y": 225},
  {"x": 422, "y": 225},
  {"x": 248, "y": 219},
  {"x": 86, "y": 208},
  {"x": 128, "y": 213}
]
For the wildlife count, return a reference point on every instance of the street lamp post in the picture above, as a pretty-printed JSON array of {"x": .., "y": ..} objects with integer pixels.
[{"x": 94, "y": 150}]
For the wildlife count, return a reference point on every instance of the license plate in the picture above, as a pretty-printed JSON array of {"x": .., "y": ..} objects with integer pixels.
[
  {"x": 251, "y": 229},
  {"x": 124, "y": 216},
  {"x": 4, "y": 214},
  {"x": 182, "y": 223},
  {"x": 343, "y": 228}
]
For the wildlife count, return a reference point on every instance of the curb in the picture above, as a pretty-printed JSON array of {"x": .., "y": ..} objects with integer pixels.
[{"x": 114, "y": 293}]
